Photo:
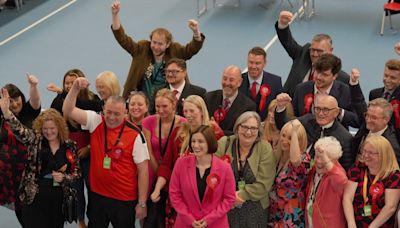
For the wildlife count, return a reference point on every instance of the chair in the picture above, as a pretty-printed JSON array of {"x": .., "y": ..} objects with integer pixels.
[{"x": 387, "y": 9}]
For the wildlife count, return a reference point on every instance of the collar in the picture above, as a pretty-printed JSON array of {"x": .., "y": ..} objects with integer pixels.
[
  {"x": 378, "y": 132},
  {"x": 329, "y": 125},
  {"x": 258, "y": 80},
  {"x": 179, "y": 88},
  {"x": 328, "y": 91}
]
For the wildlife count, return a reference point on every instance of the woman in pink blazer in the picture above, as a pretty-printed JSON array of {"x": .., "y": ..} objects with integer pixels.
[{"x": 202, "y": 187}]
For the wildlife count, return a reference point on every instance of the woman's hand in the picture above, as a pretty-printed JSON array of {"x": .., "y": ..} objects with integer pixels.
[
  {"x": 5, "y": 103},
  {"x": 155, "y": 196},
  {"x": 58, "y": 176}
]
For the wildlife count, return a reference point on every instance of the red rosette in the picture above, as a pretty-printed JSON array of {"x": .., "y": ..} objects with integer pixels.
[
  {"x": 308, "y": 100},
  {"x": 376, "y": 190},
  {"x": 212, "y": 181},
  {"x": 226, "y": 158},
  {"x": 396, "y": 112},
  {"x": 117, "y": 152},
  {"x": 219, "y": 115},
  {"x": 265, "y": 91}
]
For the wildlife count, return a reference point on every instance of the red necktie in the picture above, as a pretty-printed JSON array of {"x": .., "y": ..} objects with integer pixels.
[
  {"x": 175, "y": 92},
  {"x": 227, "y": 102},
  {"x": 253, "y": 90},
  {"x": 311, "y": 77}
]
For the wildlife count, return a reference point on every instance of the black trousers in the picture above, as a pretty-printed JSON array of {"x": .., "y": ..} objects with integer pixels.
[
  {"x": 103, "y": 210},
  {"x": 156, "y": 212},
  {"x": 46, "y": 209}
]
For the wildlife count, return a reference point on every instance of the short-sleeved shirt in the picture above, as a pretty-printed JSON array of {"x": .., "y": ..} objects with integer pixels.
[{"x": 356, "y": 174}]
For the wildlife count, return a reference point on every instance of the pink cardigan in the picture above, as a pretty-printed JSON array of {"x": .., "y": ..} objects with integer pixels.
[
  {"x": 327, "y": 207},
  {"x": 185, "y": 199}
]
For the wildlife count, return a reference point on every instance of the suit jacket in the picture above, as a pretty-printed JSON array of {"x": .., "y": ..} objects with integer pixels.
[
  {"x": 184, "y": 196},
  {"x": 313, "y": 131},
  {"x": 360, "y": 107},
  {"x": 274, "y": 81},
  {"x": 188, "y": 90},
  {"x": 301, "y": 60},
  {"x": 339, "y": 90},
  {"x": 240, "y": 105}
]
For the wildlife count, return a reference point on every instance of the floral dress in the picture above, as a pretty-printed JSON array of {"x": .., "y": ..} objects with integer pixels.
[{"x": 287, "y": 196}]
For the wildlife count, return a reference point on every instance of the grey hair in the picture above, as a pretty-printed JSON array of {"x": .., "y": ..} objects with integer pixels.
[
  {"x": 331, "y": 146},
  {"x": 246, "y": 116}
]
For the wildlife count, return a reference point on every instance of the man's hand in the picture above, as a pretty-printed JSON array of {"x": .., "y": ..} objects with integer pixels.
[
  {"x": 282, "y": 100},
  {"x": 58, "y": 176},
  {"x": 194, "y": 26},
  {"x": 285, "y": 17},
  {"x": 141, "y": 212},
  {"x": 115, "y": 7},
  {"x": 355, "y": 75},
  {"x": 83, "y": 152},
  {"x": 80, "y": 83}
]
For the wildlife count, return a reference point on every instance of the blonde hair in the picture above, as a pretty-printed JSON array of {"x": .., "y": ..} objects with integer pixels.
[
  {"x": 301, "y": 136},
  {"x": 269, "y": 129},
  {"x": 387, "y": 158},
  {"x": 110, "y": 80},
  {"x": 168, "y": 94},
  {"x": 184, "y": 131},
  {"x": 55, "y": 116}
]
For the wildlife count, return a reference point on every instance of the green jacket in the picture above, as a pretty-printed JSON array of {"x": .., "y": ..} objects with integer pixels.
[
  {"x": 142, "y": 56},
  {"x": 262, "y": 164}
]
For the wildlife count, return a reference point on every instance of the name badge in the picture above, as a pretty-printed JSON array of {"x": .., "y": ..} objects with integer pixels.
[
  {"x": 310, "y": 210},
  {"x": 241, "y": 184},
  {"x": 107, "y": 162},
  {"x": 367, "y": 211}
]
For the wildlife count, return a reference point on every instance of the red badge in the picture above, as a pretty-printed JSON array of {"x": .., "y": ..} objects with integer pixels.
[
  {"x": 117, "y": 152},
  {"x": 265, "y": 91},
  {"x": 226, "y": 158},
  {"x": 396, "y": 112},
  {"x": 219, "y": 115},
  {"x": 70, "y": 158},
  {"x": 308, "y": 100},
  {"x": 213, "y": 181},
  {"x": 376, "y": 190}
]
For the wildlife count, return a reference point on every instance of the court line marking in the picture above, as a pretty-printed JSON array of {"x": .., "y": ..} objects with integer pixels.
[{"x": 36, "y": 23}]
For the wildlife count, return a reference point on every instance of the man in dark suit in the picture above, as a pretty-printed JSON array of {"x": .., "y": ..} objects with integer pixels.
[
  {"x": 226, "y": 105},
  {"x": 259, "y": 85},
  {"x": 326, "y": 70},
  {"x": 391, "y": 91},
  {"x": 178, "y": 82},
  {"x": 304, "y": 56},
  {"x": 322, "y": 122}
]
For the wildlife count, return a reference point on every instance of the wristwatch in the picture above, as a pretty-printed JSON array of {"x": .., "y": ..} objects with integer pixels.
[{"x": 142, "y": 204}]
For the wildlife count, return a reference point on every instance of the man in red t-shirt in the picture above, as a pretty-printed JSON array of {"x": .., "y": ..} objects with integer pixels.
[{"x": 118, "y": 161}]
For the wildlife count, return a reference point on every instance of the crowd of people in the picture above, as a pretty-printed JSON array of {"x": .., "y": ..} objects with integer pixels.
[{"x": 167, "y": 153}]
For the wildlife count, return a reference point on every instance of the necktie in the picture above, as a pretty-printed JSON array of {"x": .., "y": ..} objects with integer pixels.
[
  {"x": 386, "y": 96},
  {"x": 311, "y": 77},
  {"x": 175, "y": 92},
  {"x": 253, "y": 90},
  {"x": 227, "y": 103}
]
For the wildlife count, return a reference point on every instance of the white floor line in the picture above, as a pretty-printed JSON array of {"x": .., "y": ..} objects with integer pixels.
[
  {"x": 273, "y": 40},
  {"x": 36, "y": 23}
]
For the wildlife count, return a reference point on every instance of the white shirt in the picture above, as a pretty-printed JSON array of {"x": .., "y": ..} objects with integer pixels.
[{"x": 179, "y": 89}]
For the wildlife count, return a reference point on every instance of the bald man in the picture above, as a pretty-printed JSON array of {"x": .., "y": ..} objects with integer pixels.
[
  {"x": 227, "y": 104},
  {"x": 323, "y": 122}
]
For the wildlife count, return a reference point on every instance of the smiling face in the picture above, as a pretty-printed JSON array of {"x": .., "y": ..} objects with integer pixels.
[
  {"x": 370, "y": 156},
  {"x": 16, "y": 105},
  {"x": 103, "y": 90},
  {"x": 137, "y": 107},
  {"x": 174, "y": 74},
  {"x": 158, "y": 44},
  {"x": 323, "y": 80},
  {"x": 193, "y": 114},
  {"x": 199, "y": 144},
  {"x": 164, "y": 107},
  {"x": 114, "y": 113},
  {"x": 231, "y": 81},
  {"x": 391, "y": 79},
  {"x": 69, "y": 81},
  {"x": 255, "y": 65},
  {"x": 318, "y": 48},
  {"x": 328, "y": 110},
  {"x": 248, "y": 132},
  {"x": 50, "y": 130}
]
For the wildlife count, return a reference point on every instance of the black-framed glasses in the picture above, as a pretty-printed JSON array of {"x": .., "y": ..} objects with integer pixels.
[
  {"x": 323, "y": 110},
  {"x": 248, "y": 128},
  {"x": 319, "y": 51},
  {"x": 173, "y": 72}
]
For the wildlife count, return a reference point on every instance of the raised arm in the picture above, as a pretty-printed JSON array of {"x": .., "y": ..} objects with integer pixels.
[
  {"x": 34, "y": 96},
  {"x": 115, "y": 7},
  {"x": 285, "y": 36},
  {"x": 69, "y": 108},
  {"x": 194, "y": 26},
  {"x": 295, "y": 152}
]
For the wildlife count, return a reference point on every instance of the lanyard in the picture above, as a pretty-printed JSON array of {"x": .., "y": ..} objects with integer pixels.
[
  {"x": 162, "y": 149},
  {"x": 365, "y": 186},
  {"x": 106, "y": 150},
  {"x": 239, "y": 163}
]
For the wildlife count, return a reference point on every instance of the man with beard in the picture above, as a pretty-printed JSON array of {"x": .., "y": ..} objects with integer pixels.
[
  {"x": 259, "y": 85},
  {"x": 149, "y": 56},
  {"x": 226, "y": 105}
]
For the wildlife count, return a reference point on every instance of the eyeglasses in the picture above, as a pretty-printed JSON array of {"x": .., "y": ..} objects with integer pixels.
[
  {"x": 247, "y": 128},
  {"x": 323, "y": 110},
  {"x": 370, "y": 153},
  {"x": 173, "y": 72},
  {"x": 371, "y": 117},
  {"x": 319, "y": 51}
]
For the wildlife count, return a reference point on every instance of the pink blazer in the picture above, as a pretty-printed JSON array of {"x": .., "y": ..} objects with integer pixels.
[{"x": 185, "y": 199}]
